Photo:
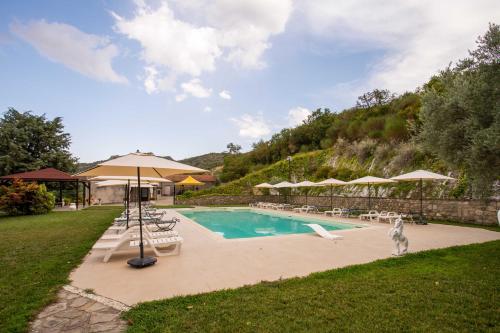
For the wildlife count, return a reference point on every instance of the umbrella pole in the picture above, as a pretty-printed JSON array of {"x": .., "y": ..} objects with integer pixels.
[
  {"x": 421, "y": 203},
  {"x": 306, "y": 196},
  {"x": 127, "y": 202},
  {"x": 141, "y": 261},
  {"x": 369, "y": 198},
  {"x": 331, "y": 197}
]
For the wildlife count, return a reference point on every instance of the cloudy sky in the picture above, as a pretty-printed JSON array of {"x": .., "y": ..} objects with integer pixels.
[{"x": 186, "y": 77}]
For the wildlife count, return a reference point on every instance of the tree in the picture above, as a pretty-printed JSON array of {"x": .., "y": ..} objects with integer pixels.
[
  {"x": 461, "y": 114},
  {"x": 233, "y": 148},
  {"x": 30, "y": 142},
  {"x": 375, "y": 98}
]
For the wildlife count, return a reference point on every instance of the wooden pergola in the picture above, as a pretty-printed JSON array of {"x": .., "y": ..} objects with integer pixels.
[{"x": 51, "y": 175}]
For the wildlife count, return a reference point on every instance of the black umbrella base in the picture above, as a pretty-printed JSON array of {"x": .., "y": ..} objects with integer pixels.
[{"x": 141, "y": 262}]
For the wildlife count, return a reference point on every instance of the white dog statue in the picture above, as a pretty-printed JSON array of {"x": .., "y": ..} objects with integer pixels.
[{"x": 396, "y": 233}]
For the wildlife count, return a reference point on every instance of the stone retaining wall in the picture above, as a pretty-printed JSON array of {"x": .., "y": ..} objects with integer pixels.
[{"x": 470, "y": 211}]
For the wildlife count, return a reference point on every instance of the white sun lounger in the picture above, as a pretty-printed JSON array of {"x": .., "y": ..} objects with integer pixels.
[
  {"x": 323, "y": 232},
  {"x": 128, "y": 242},
  {"x": 333, "y": 212},
  {"x": 372, "y": 214},
  {"x": 133, "y": 232}
]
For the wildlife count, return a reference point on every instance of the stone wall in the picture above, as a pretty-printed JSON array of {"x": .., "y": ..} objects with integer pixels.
[{"x": 470, "y": 211}]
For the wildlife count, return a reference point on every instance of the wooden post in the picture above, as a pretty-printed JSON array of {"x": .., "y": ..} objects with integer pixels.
[
  {"x": 77, "y": 185},
  {"x": 60, "y": 194},
  {"x": 84, "y": 193},
  {"x": 90, "y": 194}
]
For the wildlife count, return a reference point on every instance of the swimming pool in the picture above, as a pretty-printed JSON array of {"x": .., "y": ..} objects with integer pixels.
[{"x": 246, "y": 223}]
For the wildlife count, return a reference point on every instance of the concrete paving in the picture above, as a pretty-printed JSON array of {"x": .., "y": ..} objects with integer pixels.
[{"x": 209, "y": 262}]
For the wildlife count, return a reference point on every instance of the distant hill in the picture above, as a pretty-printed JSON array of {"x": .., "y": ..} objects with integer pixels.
[{"x": 206, "y": 161}]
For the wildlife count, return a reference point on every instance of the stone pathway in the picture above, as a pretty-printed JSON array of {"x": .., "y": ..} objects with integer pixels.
[{"x": 78, "y": 311}]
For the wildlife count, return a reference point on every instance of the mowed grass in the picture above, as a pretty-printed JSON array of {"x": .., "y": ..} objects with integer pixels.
[
  {"x": 37, "y": 254},
  {"x": 449, "y": 290}
]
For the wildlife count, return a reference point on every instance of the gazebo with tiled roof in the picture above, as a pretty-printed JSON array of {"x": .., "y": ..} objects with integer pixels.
[{"x": 50, "y": 175}]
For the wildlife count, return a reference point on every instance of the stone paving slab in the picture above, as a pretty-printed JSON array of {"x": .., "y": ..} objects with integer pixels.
[{"x": 78, "y": 311}]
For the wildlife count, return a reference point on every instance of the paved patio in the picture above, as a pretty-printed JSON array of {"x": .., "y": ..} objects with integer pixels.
[{"x": 209, "y": 262}]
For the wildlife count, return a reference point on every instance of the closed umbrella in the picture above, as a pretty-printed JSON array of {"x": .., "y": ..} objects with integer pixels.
[
  {"x": 420, "y": 176},
  {"x": 147, "y": 165},
  {"x": 306, "y": 183},
  {"x": 331, "y": 182},
  {"x": 370, "y": 180}
]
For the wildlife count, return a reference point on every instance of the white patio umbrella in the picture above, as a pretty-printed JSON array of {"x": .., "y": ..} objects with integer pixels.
[
  {"x": 370, "y": 180},
  {"x": 284, "y": 185},
  {"x": 331, "y": 182},
  {"x": 305, "y": 183},
  {"x": 420, "y": 176},
  {"x": 264, "y": 185},
  {"x": 148, "y": 165}
]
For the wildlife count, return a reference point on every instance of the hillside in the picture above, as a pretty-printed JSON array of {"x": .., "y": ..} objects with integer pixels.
[
  {"x": 206, "y": 161},
  {"x": 346, "y": 162}
]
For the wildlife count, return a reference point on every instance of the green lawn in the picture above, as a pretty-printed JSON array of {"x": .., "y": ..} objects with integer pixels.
[
  {"x": 450, "y": 290},
  {"x": 37, "y": 254}
]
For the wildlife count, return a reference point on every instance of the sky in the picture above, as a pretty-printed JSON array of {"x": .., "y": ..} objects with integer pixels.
[{"x": 186, "y": 77}]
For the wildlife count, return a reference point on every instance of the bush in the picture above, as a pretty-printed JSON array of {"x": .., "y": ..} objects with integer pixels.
[{"x": 22, "y": 198}]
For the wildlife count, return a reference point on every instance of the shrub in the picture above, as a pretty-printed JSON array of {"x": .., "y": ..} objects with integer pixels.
[{"x": 22, "y": 198}]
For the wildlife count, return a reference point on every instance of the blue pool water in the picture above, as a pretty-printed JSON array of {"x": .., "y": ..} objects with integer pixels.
[{"x": 242, "y": 223}]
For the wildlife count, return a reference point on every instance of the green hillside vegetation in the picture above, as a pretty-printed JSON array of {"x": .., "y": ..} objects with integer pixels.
[
  {"x": 450, "y": 125},
  {"x": 206, "y": 161}
]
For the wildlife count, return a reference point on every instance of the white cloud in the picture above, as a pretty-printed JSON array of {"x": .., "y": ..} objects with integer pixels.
[
  {"x": 224, "y": 94},
  {"x": 169, "y": 42},
  {"x": 195, "y": 88},
  {"x": 237, "y": 31},
  {"x": 418, "y": 37},
  {"x": 297, "y": 115},
  {"x": 155, "y": 82},
  {"x": 84, "y": 53},
  {"x": 245, "y": 26},
  {"x": 252, "y": 127},
  {"x": 207, "y": 109}
]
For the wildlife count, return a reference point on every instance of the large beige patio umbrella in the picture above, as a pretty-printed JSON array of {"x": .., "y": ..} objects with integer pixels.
[
  {"x": 305, "y": 183},
  {"x": 331, "y": 182},
  {"x": 131, "y": 178},
  {"x": 420, "y": 176},
  {"x": 370, "y": 180},
  {"x": 144, "y": 164},
  {"x": 106, "y": 183}
]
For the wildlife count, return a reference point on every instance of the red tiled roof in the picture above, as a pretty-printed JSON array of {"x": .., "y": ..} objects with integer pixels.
[
  {"x": 49, "y": 174},
  {"x": 200, "y": 178}
]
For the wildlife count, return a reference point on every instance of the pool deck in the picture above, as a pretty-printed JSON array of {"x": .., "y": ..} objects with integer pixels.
[{"x": 208, "y": 262}]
